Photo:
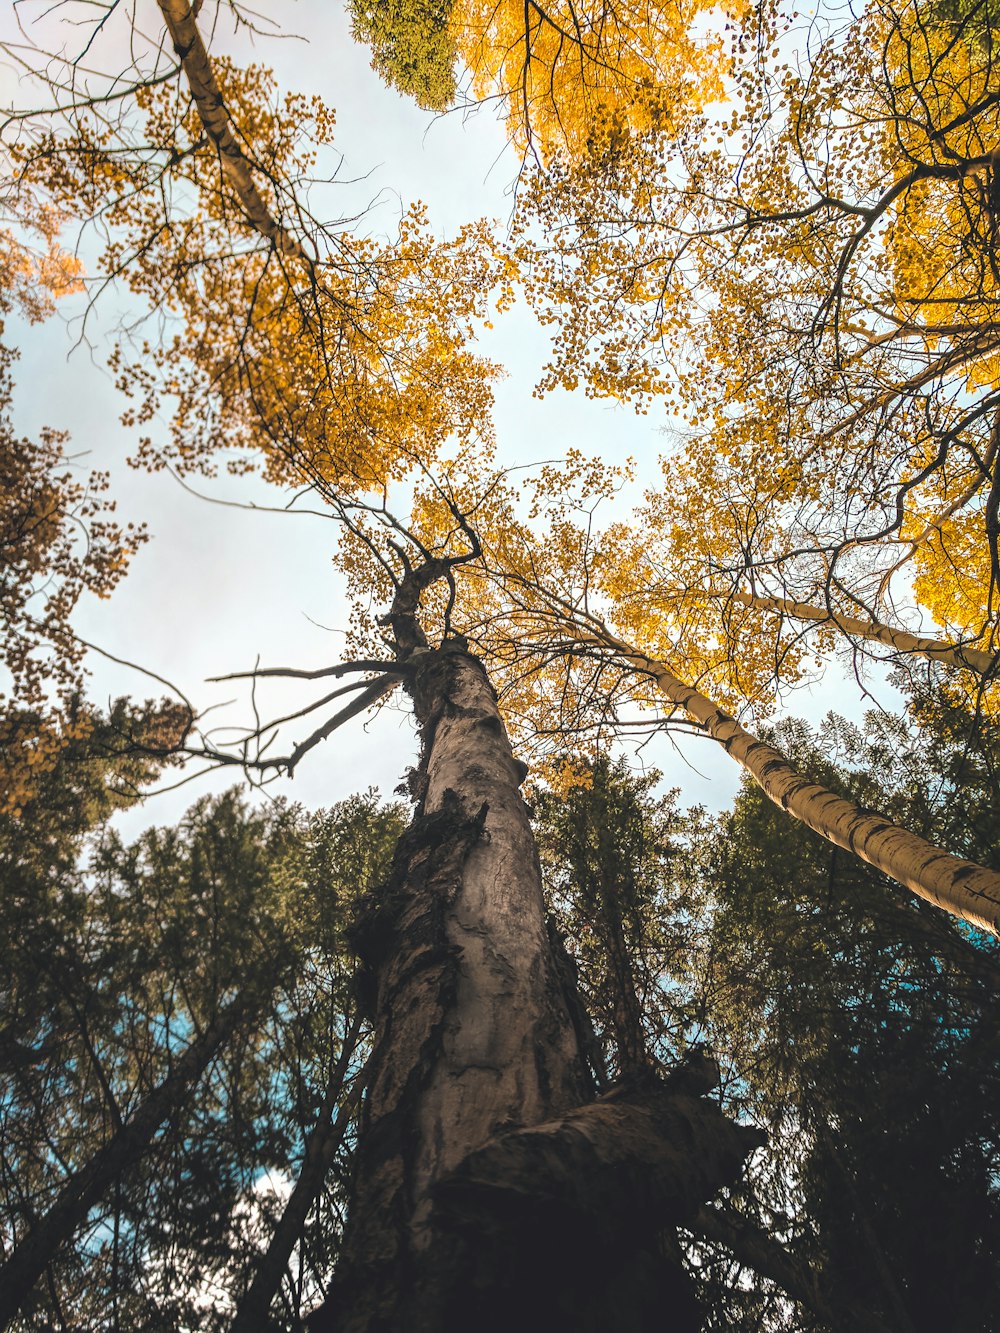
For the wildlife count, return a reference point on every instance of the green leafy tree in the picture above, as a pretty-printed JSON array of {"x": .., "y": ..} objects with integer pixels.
[
  {"x": 854, "y": 1024},
  {"x": 412, "y": 47},
  {"x": 607, "y": 848}
]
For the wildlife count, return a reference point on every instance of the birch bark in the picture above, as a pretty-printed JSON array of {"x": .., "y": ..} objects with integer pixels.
[
  {"x": 488, "y": 1176},
  {"x": 472, "y": 1031},
  {"x": 901, "y": 640},
  {"x": 965, "y": 889}
]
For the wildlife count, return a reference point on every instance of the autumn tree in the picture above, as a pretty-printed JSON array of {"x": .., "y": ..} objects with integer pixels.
[
  {"x": 831, "y": 455},
  {"x": 829, "y": 277},
  {"x": 412, "y": 46},
  {"x": 346, "y": 365},
  {"x": 341, "y": 364},
  {"x": 58, "y": 537},
  {"x": 293, "y": 447},
  {"x": 810, "y": 291}
]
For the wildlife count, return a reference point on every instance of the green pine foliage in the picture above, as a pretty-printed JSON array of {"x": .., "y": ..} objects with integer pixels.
[
  {"x": 853, "y": 1022},
  {"x": 608, "y": 849},
  {"x": 118, "y": 956},
  {"x": 859, "y": 1028}
]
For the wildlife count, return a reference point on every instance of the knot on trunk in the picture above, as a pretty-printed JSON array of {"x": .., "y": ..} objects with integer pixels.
[
  {"x": 640, "y": 1159},
  {"x": 569, "y": 1225}
]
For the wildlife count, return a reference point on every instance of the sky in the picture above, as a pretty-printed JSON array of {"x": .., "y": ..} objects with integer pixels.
[{"x": 220, "y": 588}]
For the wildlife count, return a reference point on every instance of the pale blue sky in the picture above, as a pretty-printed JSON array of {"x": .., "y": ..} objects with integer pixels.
[{"x": 218, "y": 587}]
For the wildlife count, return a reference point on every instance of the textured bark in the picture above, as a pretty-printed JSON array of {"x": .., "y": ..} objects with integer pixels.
[
  {"x": 36, "y": 1250},
  {"x": 572, "y": 1211},
  {"x": 491, "y": 1190},
  {"x": 937, "y": 650},
  {"x": 965, "y": 889},
  {"x": 472, "y": 1030},
  {"x": 638, "y": 1159}
]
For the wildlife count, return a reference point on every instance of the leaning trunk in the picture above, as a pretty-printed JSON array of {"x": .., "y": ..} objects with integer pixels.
[
  {"x": 961, "y": 887},
  {"x": 321, "y": 1148},
  {"x": 485, "y": 1171},
  {"x": 900, "y": 640}
]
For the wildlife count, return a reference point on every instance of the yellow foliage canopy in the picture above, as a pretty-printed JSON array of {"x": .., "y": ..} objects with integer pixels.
[
  {"x": 579, "y": 79},
  {"x": 339, "y": 360},
  {"x": 809, "y": 284}
]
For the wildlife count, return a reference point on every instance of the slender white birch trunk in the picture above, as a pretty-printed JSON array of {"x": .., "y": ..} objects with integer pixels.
[
  {"x": 901, "y": 640},
  {"x": 180, "y": 17},
  {"x": 963, "y": 888}
]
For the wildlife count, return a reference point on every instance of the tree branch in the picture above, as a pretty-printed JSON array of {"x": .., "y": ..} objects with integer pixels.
[{"x": 179, "y": 17}]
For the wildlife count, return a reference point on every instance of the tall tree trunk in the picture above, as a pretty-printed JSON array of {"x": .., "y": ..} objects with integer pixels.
[
  {"x": 472, "y": 1033},
  {"x": 486, "y": 1175},
  {"x": 937, "y": 650},
  {"x": 36, "y": 1250},
  {"x": 630, "y": 1039},
  {"x": 965, "y": 889}
]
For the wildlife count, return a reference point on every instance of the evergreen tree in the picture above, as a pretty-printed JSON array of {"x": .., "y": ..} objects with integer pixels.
[
  {"x": 860, "y": 1027},
  {"x": 179, "y": 1020},
  {"x": 855, "y": 1024}
]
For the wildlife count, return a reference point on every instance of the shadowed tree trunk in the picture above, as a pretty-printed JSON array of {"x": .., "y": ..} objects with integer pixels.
[
  {"x": 486, "y": 1172},
  {"x": 321, "y": 1149}
]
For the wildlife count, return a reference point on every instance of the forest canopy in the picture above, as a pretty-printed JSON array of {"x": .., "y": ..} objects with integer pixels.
[{"x": 269, "y": 1063}]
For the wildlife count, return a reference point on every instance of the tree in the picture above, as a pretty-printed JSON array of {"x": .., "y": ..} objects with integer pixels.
[
  {"x": 854, "y": 1027},
  {"x": 830, "y": 278},
  {"x": 57, "y": 537},
  {"x": 880, "y": 1053},
  {"x": 179, "y": 1029},
  {"x": 344, "y": 365},
  {"x": 577, "y": 280},
  {"x": 526, "y": 601},
  {"x": 295, "y": 443},
  {"x": 412, "y": 46},
  {"x": 606, "y": 846}
]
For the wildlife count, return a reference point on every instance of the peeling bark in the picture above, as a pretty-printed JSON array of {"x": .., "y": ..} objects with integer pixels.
[
  {"x": 471, "y": 1029},
  {"x": 572, "y": 1211},
  {"x": 486, "y": 1173}
]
